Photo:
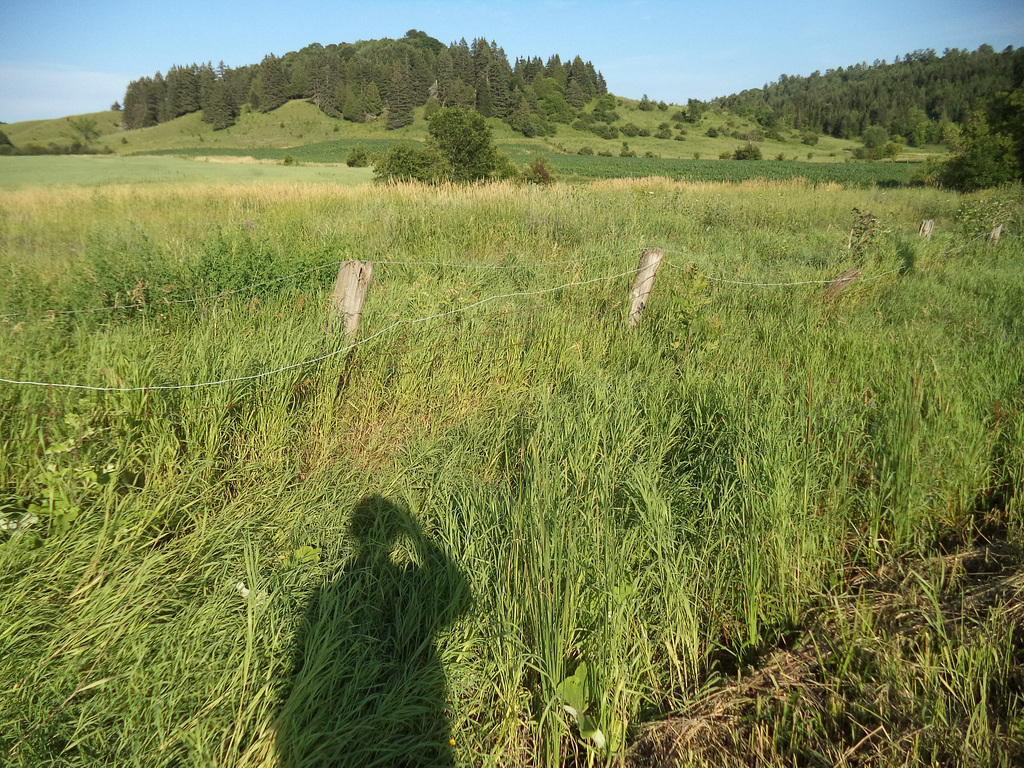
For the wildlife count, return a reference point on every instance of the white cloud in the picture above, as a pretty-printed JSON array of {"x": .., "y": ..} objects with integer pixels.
[{"x": 41, "y": 92}]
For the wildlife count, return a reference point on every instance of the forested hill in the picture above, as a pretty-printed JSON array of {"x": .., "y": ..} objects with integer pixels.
[
  {"x": 372, "y": 79},
  {"x": 916, "y": 98}
]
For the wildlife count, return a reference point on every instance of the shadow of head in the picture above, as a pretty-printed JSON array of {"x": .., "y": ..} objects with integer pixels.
[{"x": 377, "y": 523}]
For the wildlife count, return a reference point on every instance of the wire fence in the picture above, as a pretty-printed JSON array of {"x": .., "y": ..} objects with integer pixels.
[{"x": 373, "y": 338}]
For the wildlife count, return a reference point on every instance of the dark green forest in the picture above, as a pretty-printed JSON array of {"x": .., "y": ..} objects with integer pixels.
[
  {"x": 376, "y": 79},
  {"x": 919, "y": 98}
]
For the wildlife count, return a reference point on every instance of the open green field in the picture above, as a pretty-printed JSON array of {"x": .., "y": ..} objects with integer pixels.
[
  {"x": 766, "y": 527},
  {"x": 102, "y": 170}
]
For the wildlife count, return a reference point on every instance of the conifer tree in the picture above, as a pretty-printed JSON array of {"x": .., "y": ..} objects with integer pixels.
[
  {"x": 271, "y": 84},
  {"x": 352, "y": 106},
  {"x": 574, "y": 96},
  {"x": 400, "y": 101},
  {"x": 498, "y": 75},
  {"x": 445, "y": 75},
  {"x": 372, "y": 104}
]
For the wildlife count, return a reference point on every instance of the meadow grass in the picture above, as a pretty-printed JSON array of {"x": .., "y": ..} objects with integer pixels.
[
  {"x": 86, "y": 171},
  {"x": 404, "y": 553}
]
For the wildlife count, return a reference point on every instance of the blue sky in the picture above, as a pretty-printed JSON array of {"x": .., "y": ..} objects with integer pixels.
[{"x": 59, "y": 57}]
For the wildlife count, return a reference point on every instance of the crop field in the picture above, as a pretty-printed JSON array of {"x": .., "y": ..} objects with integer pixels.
[
  {"x": 847, "y": 174},
  {"x": 885, "y": 175},
  {"x": 773, "y": 524}
]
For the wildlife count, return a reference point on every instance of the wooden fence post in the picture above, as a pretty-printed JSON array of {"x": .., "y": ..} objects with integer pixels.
[
  {"x": 349, "y": 294},
  {"x": 926, "y": 229},
  {"x": 838, "y": 285},
  {"x": 650, "y": 260},
  {"x": 993, "y": 236}
]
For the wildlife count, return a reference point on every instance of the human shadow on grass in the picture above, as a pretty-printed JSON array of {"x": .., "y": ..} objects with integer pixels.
[{"x": 369, "y": 687}]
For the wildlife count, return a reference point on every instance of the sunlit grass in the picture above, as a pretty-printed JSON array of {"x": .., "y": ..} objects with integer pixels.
[{"x": 497, "y": 495}]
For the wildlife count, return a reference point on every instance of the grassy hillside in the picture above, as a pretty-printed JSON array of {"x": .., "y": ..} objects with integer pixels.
[
  {"x": 766, "y": 526},
  {"x": 299, "y": 123}
]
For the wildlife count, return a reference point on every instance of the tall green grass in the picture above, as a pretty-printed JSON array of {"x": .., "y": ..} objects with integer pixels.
[{"x": 400, "y": 554}]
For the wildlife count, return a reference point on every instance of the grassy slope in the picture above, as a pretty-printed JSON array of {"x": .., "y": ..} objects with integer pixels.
[
  {"x": 299, "y": 123},
  {"x": 501, "y": 494}
]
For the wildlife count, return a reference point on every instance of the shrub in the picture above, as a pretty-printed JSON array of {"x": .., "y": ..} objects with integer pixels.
[
  {"x": 983, "y": 159},
  {"x": 537, "y": 171},
  {"x": 712, "y": 133},
  {"x": 358, "y": 157},
  {"x": 585, "y": 151},
  {"x": 749, "y": 152},
  {"x": 630, "y": 129},
  {"x": 403, "y": 162},
  {"x": 463, "y": 140},
  {"x": 626, "y": 151},
  {"x": 605, "y": 131}
]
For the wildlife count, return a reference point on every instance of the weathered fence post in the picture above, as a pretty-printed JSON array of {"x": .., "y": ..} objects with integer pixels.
[
  {"x": 926, "y": 229},
  {"x": 838, "y": 285},
  {"x": 348, "y": 297},
  {"x": 650, "y": 260},
  {"x": 993, "y": 236}
]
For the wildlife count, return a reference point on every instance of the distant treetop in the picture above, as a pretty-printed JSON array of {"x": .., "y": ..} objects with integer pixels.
[{"x": 375, "y": 79}]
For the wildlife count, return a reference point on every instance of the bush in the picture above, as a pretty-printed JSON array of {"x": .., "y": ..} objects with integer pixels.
[
  {"x": 358, "y": 157},
  {"x": 630, "y": 129},
  {"x": 810, "y": 138},
  {"x": 403, "y": 162},
  {"x": 983, "y": 159},
  {"x": 749, "y": 152},
  {"x": 626, "y": 151},
  {"x": 712, "y": 133},
  {"x": 585, "y": 151},
  {"x": 537, "y": 171},
  {"x": 605, "y": 131},
  {"x": 460, "y": 149}
]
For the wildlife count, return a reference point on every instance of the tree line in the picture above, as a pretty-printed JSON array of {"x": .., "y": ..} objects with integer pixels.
[
  {"x": 376, "y": 79},
  {"x": 918, "y": 98}
]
